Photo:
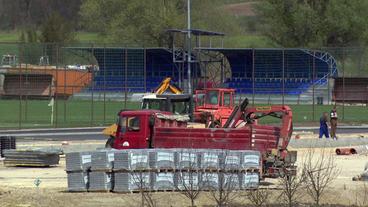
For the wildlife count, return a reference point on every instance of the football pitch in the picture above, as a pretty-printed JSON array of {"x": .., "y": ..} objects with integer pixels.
[{"x": 79, "y": 113}]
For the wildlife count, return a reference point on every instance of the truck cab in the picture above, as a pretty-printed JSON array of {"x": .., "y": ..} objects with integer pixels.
[
  {"x": 135, "y": 128},
  {"x": 214, "y": 105}
]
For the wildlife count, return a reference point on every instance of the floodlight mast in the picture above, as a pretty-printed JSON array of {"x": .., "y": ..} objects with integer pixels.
[{"x": 189, "y": 50}]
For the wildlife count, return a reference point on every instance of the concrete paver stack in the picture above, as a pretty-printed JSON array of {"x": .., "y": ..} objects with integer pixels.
[
  {"x": 78, "y": 165},
  {"x": 101, "y": 176},
  {"x": 162, "y": 169},
  {"x": 7, "y": 142}
]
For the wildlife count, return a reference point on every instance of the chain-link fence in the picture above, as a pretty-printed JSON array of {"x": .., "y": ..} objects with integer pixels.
[{"x": 50, "y": 85}]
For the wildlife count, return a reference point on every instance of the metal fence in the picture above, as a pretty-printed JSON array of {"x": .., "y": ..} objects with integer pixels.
[{"x": 49, "y": 85}]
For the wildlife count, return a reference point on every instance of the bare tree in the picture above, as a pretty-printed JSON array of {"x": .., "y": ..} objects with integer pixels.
[
  {"x": 188, "y": 183},
  {"x": 320, "y": 170},
  {"x": 291, "y": 185},
  {"x": 258, "y": 197},
  {"x": 227, "y": 179},
  {"x": 226, "y": 191},
  {"x": 142, "y": 181}
]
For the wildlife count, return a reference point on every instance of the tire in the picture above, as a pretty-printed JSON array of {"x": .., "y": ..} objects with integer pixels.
[{"x": 110, "y": 142}]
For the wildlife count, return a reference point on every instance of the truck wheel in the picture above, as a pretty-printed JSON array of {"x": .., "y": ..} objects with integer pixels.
[{"x": 110, "y": 142}]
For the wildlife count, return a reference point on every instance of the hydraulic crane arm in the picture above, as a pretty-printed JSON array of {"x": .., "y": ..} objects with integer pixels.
[
  {"x": 281, "y": 112},
  {"x": 236, "y": 114},
  {"x": 250, "y": 115}
]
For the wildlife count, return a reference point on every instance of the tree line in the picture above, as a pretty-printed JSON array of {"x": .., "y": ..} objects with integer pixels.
[{"x": 287, "y": 23}]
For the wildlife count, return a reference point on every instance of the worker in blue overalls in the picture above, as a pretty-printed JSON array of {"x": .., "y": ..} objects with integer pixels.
[{"x": 323, "y": 128}]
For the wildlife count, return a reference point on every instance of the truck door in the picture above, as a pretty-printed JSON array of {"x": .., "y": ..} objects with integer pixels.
[{"x": 131, "y": 133}]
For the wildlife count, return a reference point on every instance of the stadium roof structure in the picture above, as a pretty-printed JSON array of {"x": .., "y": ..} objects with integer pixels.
[{"x": 268, "y": 61}]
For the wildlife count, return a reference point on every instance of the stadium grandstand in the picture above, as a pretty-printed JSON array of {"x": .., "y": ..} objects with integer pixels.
[{"x": 259, "y": 71}]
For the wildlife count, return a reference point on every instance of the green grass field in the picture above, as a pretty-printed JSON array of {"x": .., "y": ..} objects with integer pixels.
[
  {"x": 9, "y": 36},
  {"x": 13, "y": 36},
  {"x": 76, "y": 113},
  {"x": 37, "y": 113}
]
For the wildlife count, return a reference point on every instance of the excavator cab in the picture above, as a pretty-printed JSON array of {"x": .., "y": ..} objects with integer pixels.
[
  {"x": 180, "y": 104},
  {"x": 213, "y": 106},
  {"x": 174, "y": 102},
  {"x": 215, "y": 98}
]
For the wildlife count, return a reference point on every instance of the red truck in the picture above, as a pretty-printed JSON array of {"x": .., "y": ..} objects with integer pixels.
[{"x": 157, "y": 129}]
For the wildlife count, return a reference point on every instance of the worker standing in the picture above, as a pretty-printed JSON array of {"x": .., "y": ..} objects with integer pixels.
[
  {"x": 333, "y": 122},
  {"x": 323, "y": 128}
]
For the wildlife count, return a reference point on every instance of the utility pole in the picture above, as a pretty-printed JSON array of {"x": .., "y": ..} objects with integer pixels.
[{"x": 189, "y": 50}]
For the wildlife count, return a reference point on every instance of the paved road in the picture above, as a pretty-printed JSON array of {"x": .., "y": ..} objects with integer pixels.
[
  {"x": 340, "y": 129},
  {"x": 87, "y": 133},
  {"x": 95, "y": 133},
  {"x": 341, "y": 142}
]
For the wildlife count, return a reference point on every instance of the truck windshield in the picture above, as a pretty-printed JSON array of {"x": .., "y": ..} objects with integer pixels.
[
  {"x": 129, "y": 124},
  {"x": 212, "y": 97}
]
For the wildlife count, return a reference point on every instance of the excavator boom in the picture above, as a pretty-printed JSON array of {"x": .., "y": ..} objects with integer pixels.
[{"x": 164, "y": 85}]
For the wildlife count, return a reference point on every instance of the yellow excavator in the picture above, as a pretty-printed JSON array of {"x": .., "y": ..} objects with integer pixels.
[{"x": 176, "y": 102}]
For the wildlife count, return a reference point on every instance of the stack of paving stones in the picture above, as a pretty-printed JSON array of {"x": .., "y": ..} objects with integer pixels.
[
  {"x": 6, "y": 143},
  {"x": 101, "y": 177},
  {"x": 32, "y": 158},
  {"x": 132, "y": 171},
  {"x": 78, "y": 165},
  {"x": 126, "y": 171},
  {"x": 188, "y": 159}
]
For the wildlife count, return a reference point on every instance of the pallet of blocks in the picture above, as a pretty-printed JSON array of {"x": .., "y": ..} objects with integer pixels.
[
  {"x": 78, "y": 165},
  {"x": 6, "y": 143},
  {"x": 136, "y": 170},
  {"x": 31, "y": 158}
]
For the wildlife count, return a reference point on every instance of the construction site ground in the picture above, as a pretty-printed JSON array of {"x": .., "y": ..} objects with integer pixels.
[{"x": 17, "y": 184}]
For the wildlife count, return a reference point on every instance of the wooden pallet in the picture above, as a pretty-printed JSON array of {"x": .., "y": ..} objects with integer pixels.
[
  {"x": 99, "y": 191},
  {"x": 170, "y": 170},
  {"x": 102, "y": 170},
  {"x": 16, "y": 164}
]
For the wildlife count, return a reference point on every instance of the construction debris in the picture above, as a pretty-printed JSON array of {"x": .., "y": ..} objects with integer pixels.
[
  {"x": 160, "y": 169},
  {"x": 363, "y": 176},
  {"x": 362, "y": 149},
  {"x": 33, "y": 158}
]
